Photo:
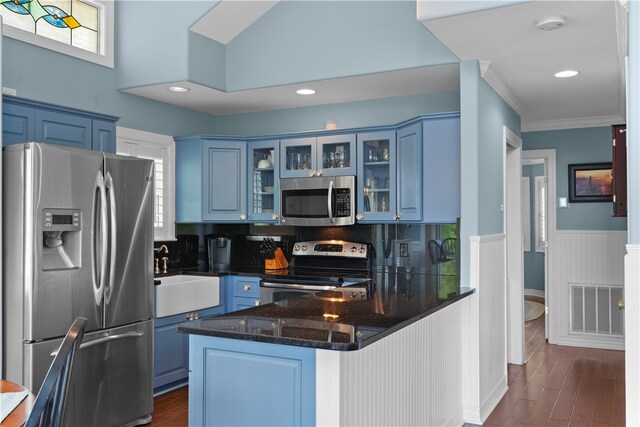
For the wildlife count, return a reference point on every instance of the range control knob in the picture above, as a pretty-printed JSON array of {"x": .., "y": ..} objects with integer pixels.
[
  {"x": 362, "y": 249},
  {"x": 296, "y": 248},
  {"x": 353, "y": 295},
  {"x": 353, "y": 249},
  {"x": 304, "y": 247}
]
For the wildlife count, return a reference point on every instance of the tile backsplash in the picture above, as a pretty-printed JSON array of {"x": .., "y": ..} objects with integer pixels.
[{"x": 417, "y": 246}]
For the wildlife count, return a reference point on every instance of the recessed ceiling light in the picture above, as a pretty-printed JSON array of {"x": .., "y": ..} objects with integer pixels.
[
  {"x": 551, "y": 22},
  {"x": 178, "y": 89},
  {"x": 566, "y": 73},
  {"x": 305, "y": 91}
]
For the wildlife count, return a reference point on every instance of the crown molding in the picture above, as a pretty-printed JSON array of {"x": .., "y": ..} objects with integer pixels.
[
  {"x": 497, "y": 83},
  {"x": 583, "y": 122}
]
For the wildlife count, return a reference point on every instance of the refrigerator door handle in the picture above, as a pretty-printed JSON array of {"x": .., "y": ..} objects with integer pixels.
[
  {"x": 113, "y": 237},
  {"x": 99, "y": 232},
  {"x": 132, "y": 334}
]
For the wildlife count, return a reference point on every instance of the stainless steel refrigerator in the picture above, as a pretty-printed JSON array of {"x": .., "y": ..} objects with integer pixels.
[{"x": 78, "y": 241}]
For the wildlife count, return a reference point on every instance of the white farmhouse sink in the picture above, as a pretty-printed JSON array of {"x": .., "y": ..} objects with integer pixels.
[{"x": 184, "y": 293}]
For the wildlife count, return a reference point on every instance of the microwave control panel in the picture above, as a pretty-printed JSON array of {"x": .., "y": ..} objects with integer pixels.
[{"x": 343, "y": 202}]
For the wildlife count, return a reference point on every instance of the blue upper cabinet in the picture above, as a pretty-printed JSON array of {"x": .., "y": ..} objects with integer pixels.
[
  {"x": 18, "y": 123},
  {"x": 409, "y": 184},
  {"x": 225, "y": 181},
  {"x": 263, "y": 181},
  {"x": 331, "y": 155},
  {"x": 376, "y": 176},
  {"x": 24, "y": 120},
  {"x": 104, "y": 136},
  {"x": 211, "y": 179},
  {"x": 441, "y": 182},
  {"x": 63, "y": 129}
]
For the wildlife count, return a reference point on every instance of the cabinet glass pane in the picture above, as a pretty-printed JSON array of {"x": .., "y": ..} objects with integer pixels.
[
  {"x": 376, "y": 175},
  {"x": 263, "y": 184},
  {"x": 299, "y": 157},
  {"x": 335, "y": 156}
]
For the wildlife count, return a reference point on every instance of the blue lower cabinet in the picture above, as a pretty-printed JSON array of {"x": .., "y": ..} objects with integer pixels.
[
  {"x": 171, "y": 350},
  {"x": 246, "y": 383},
  {"x": 243, "y": 292}
]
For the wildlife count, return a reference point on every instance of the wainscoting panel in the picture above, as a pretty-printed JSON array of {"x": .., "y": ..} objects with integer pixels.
[
  {"x": 587, "y": 278},
  {"x": 409, "y": 378},
  {"x": 486, "y": 354},
  {"x": 632, "y": 339}
]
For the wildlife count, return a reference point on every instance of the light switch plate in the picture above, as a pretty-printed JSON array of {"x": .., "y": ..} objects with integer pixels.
[{"x": 562, "y": 202}]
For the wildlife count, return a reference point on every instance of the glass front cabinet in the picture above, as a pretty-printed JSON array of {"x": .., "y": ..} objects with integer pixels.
[
  {"x": 331, "y": 155},
  {"x": 376, "y": 176},
  {"x": 264, "y": 181}
]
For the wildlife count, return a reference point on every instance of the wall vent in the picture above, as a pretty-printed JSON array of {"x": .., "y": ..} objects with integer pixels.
[{"x": 594, "y": 309}]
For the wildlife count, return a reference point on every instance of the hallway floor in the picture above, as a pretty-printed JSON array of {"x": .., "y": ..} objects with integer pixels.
[{"x": 562, "y": 386}]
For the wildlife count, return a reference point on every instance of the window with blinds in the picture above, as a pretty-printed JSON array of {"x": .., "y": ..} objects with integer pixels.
[{"x": 160, "y": 149}]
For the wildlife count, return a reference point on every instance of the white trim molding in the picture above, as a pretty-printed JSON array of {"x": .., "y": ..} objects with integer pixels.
[
  {"x": 632, "y": 338},
  {"x": 497, "y": 83},
  {"x": 582, "y": 122}
]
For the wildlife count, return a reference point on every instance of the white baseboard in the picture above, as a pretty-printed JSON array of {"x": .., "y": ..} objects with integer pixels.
[
  {"x": 493, "y": 399},
  {"x": 591, "y": 342},
  {"x": 534, "y": 292}
]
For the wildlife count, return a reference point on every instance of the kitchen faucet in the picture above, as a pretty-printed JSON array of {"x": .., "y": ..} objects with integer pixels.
[{"x": 164, "y": 259}]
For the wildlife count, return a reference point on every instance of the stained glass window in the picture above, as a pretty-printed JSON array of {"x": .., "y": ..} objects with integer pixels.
[{"x": 79, "y": 24}]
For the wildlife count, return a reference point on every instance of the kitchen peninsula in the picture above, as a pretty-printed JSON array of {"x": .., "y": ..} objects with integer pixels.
[{"x": 392, "y": 358}]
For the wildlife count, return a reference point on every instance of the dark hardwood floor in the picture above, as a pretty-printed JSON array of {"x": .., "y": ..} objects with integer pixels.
[
  {"x": 562, "y": 386},
  {"x": 170, "y": 409},
  {"x": 558, "y": 386}
]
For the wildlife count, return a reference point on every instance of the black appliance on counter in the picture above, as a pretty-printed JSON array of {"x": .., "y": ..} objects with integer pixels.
[{"x": 337, "y": 269}]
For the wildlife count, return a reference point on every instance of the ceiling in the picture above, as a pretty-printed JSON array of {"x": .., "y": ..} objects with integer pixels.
[
  {"x": 519, "y": 60},
  {"x": 516, "y": 58}
]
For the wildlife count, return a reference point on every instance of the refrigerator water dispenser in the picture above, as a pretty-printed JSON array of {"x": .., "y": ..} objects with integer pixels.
[{"x": 61, "y": 237}]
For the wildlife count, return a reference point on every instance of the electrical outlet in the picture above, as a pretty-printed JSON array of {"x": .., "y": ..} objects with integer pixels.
[
  {"x": 404, "y": 249},
  {"x": 9, "y": 91}
]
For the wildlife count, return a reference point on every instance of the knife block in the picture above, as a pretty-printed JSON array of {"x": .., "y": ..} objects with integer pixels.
[{"x": 277, "y": 263}]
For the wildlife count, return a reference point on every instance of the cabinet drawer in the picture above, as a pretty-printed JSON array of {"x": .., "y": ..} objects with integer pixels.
[
  {"x": 246, "y": 287},
  {"x": 240, "y": 303}
]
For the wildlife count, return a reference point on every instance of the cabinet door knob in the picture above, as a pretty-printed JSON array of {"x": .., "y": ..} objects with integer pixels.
[
  {"x": 243, "y": 217},
  {"x": 621, "y": 304},
  {"x": 246, "y": 287},
  {"x": 275, "y": 217},
  {"x": 312, "y": 173},
  {"x": 319, "y": 172},
  {"x": 396, "y": 216},
  {"x": 256, "y": 302},
  {"x": 359, "y": 216}
]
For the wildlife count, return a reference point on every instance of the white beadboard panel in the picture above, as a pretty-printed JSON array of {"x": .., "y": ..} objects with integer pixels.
[
  {"x": 586, "y": 258},
  {"x": 409, "y": 378},
  {"x": 632, "y": 344},
  {"x": 487, "y": 330}
]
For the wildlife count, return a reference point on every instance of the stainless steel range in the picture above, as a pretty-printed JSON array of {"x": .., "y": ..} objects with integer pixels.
[{"x": 329, "y": 268}]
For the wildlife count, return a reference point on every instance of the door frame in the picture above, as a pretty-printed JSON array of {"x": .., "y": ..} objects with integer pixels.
[
  {"x": 549, "y": 158},
  {"x": 512, "y": 226}
]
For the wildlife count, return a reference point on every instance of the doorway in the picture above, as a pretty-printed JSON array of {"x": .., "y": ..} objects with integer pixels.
[
  {"x": 534, "y": 237},
  {"x": 542, "y": 232}
]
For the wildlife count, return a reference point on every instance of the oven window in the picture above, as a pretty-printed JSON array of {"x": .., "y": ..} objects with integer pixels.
[
  {"x": 305, "y": 203},
  {"x": 282, "y": 295}
]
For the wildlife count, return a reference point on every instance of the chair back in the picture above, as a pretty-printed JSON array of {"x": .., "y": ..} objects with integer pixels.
[{"x": 49, "y": 407}]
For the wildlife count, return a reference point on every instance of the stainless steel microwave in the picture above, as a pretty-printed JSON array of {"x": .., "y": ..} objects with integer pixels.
[{"x": 318, "y": 201}]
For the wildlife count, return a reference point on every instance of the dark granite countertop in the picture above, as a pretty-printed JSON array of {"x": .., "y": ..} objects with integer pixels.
[{"x": 399, "y": 298}]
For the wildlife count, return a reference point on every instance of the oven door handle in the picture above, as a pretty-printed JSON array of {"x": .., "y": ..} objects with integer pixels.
[
  {"x": 296, "y": 286},
  {"x": 332, "y": 219}
]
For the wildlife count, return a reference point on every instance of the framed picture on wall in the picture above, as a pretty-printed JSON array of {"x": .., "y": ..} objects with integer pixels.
[{"x": 590, "y": 182}]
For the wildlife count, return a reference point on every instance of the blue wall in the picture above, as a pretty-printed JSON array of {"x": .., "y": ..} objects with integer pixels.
[
  {"x": 387, "y": 111},
  {"x": 48, "y": 76},
  {"x": 586, "y": 145},
  {"x": 483, "y": 114},
  {"x": 533, "y": 261},
  {"x": 301, "y": 41}
]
